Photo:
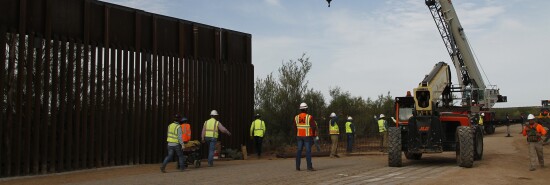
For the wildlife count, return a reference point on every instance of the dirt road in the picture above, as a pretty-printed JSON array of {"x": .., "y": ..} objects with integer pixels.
[{"x": 505, "y": 161}]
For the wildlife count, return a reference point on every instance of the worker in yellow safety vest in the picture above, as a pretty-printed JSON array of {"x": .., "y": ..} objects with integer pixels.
[
  {"x": 480, "y": 122},
  {"x": 350, "y": 133},
  {"x": 481, "y": 116},
  {"x": 210, "y": 134},
  {"x": 334, "y": 132},
  {"x": 305, "y": 130},
  {"x": 383, "y": 130},
  {"x": 175, "y": 144},
  {"x": 257, "y": 132}
]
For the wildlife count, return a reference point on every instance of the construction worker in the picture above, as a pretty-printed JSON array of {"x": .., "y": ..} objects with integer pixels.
[
  {"x": 383, "y": 130},
  {"x": 334, "y": 132},
  {"x": 534, "y": 132},
  {"x": 185, "y": 134},
  {"x": 305, "y": 128},
  {"x": 522, "y": 117},
  {"x": 175, "y": 144},
  {"x": 257, "y": 132},
  {"x": 210, "y": 134},
  {"x": 185, "y": 130},
  {"x": 507, "y": 122},
  {"x": 350, "y": 133},
  {"x": 480, "y": 122}
]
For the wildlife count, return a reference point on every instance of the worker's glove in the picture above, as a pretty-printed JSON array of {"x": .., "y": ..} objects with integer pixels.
[
  {"x": 374, "y": 117},
  {"x": 202, "y": 141},
  {"x": 316, "y": 138},
  {"x": 182, "y": 146}
]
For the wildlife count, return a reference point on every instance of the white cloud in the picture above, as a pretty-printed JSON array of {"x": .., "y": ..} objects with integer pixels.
[
  {"x": 269, "y": 52},
  {"x": 372, "y": 47},
  {"x": 476, "y": 17},
  {"x": 273, "y": 2}
]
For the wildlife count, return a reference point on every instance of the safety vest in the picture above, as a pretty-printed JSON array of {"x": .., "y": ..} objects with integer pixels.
[
  {"x": 302, "y": 124},
  {"x": 348, "y": 128},
  {"x": 185, "y": 132},
  {"x": 381, "y": 125},
  {"x": 334, "y": 130},
  {"x": 173, "y": 133},
  {"x": 258, "y": 128},
  {"x": 532, "y": 134},
  {"x": 211, "y": 128},
  {"x": 480, "y": 120}
]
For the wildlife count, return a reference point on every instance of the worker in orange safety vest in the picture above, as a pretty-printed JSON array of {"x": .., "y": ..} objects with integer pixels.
[
  {"x": 185, "y": 130},
  {"x": 534, "y": 132},
  {"x": 305, "y": 130}
]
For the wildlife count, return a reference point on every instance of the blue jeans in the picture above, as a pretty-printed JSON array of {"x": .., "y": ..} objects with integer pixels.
[
  {"x": 304, "y": 141},
  {"x": 350, "y": 143},
  {"x": 179, "y": 152},
  {"x": 211, "y": 146}
]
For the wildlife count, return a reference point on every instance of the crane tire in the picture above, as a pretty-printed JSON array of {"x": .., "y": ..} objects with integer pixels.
[{"x": 465, "y": 146}]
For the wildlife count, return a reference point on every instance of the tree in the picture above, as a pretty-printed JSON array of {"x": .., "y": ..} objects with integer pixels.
[{"x": 277, "y": 100}]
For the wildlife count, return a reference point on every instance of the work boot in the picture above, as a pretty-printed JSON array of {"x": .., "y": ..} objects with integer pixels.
[
  {"x": 297, "y": 169},
  {"x": 337, "y": 156},
  {"x": 162, "y": 169},
  {"x": 311, "y": 169},
  {"x": 532, "y": 169}
]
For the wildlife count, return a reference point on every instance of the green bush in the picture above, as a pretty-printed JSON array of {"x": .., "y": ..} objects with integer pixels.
[{"x": 277, "y": 99}]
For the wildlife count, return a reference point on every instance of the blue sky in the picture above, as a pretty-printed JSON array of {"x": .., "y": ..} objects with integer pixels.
[{"x": 370, "y": 47}]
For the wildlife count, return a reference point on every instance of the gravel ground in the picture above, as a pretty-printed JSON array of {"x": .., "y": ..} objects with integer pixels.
[{"x": 505, "y": 161}]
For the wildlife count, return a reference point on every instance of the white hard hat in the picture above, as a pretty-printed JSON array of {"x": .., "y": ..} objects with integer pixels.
[
  {"x": 382, "y": 116},
  {"x": 332, "y": 115},
  {"x": 483, "y": 114},
  {"x": 214, "y": 113},
  {"x": 303, "y": 106},
  {"x": 530, "y": 117},
  {"x": 350, "y": 118}
]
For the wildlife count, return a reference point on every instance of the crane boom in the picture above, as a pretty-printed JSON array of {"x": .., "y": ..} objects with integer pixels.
[
  {"x": 459, "y": 50},
  {"x": 456, "y": 42}
]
